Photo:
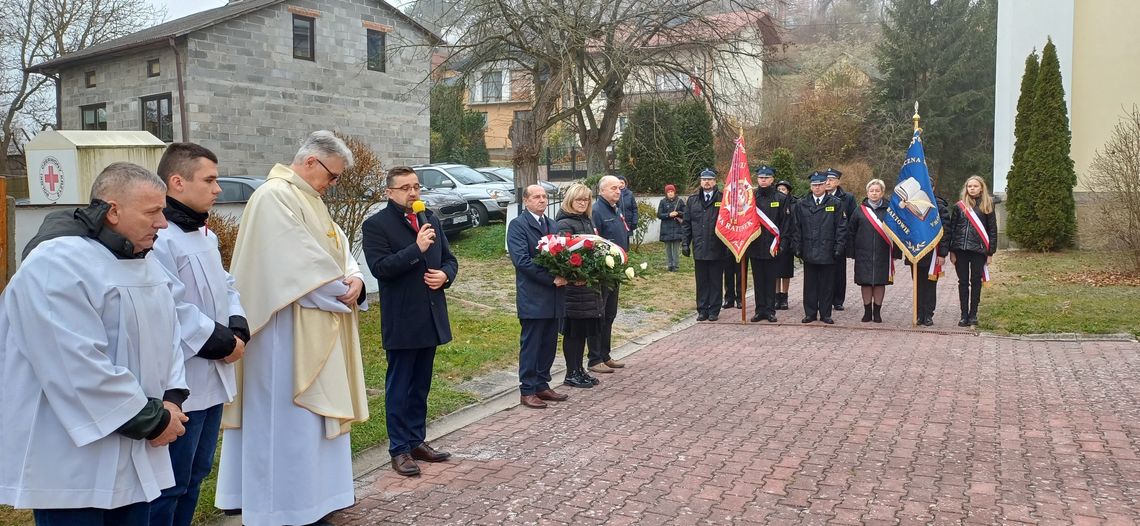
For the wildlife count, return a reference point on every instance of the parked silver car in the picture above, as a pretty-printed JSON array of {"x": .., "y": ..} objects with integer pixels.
[
  {"x": 238, "y": 188},
  {"x": 507, "y": 175},
  {"x": 488, "y": 198}
]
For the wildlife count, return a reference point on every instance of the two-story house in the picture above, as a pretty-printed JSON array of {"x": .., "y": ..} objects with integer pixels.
[{"x": 250, "y": 79}]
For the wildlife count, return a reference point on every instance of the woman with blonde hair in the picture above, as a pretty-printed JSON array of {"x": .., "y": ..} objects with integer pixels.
[
  {"x": 973, "y": 241},
  {"x": 872, "y": 249},
  {"x": 584, "y": 304}
]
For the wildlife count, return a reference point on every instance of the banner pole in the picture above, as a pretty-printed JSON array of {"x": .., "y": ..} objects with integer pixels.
[
  {"x": 914, "y": 296},
  {"x": 743, "y": 290}
]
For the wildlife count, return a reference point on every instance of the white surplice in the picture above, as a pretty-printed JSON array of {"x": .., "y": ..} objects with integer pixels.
[
  {"x": 85, "y": 339},
  {"x": 205, "y": 294}
]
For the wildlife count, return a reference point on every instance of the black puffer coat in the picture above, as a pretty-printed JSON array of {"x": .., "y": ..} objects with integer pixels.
[
  {"x": 818, "y": 233},
  {"x": 963, "y": 237},
  {"x": 871, "y": 252},
  {"x": 671, "y": 229},
  {"x": 582, "y": 302}
]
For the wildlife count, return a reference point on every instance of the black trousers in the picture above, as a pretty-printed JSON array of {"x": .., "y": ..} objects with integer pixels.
[
  {"x": 406, "y": 388},
  {"x": 732, "y": 293},
  {"x": 601, "y": 343},
  {"x": 839, "y": 287},
  {"x": 764, "y": 275},
  {"x": 709, "y": 275},
  {"x": 969, "y": 266},
  {"x": 927, "y": 289},
  {"x": 819, "y": 280},
  {"x": 538, "y": 343}
]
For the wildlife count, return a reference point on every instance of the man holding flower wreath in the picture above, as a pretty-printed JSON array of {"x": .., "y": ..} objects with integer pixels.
[{"x": 539, "y": 298}]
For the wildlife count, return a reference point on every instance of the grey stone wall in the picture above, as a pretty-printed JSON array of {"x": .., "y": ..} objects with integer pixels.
[{"x": 252, "y": 102}]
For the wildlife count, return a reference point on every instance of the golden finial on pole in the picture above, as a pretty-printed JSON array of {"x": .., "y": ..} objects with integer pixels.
[{"x": 916, "y": 117}]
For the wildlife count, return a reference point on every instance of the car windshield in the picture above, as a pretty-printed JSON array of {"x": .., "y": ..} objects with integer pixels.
[{"x": 467, "y": 175}]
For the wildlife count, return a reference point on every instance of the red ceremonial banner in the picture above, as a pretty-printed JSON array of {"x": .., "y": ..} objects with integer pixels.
[{"x": 739, "y": 222}]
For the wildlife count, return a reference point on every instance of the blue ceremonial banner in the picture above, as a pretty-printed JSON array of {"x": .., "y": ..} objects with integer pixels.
[{"x": 912, "y": 219}]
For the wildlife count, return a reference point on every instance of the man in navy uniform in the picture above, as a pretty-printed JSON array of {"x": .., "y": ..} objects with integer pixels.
[
  {"x": 707, "y": 250},
  {"x": 818, "y": 236},
  {"x": 539, "y": 299},
  {"x": 775, "y": 213},
  {"x": 847, "y": 204},
  {"x": 413, "y": 264}
]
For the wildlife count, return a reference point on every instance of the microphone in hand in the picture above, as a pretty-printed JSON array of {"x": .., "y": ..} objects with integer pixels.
[{"x": 418, "y": 208}]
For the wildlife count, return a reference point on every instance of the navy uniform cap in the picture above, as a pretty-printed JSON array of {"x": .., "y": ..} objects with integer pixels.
[
  {"x": 784, "y": 183},
  {"x": 708, "y": 173},
  {"x": 832, "y": 172},
  {"x": 765, "y": 171},
  {"x": 818, "y": 177}
]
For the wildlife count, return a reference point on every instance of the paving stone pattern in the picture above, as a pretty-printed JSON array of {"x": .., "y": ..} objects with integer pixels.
[{"x": 725, "y": 423}]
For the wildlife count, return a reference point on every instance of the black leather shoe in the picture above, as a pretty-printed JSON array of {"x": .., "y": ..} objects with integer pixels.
[
  {"x": 405, "y": 465},
  {"x": 837, "y": 307},
  {"x": 727, "y": 305},
  {"x": 973, "y": 320},
  {"x": 739, "y": 305},
  {"x": 714, "y": 317},
  {"x": 702, "y": 317},
  {"x": 590, "y": 378},
  {"x": 756, "y": 318},
  {"x": 964, "y": 322},
  {"x": 427, "y": 453},
  {"x": 928, "y": 322},
  {"x": 828, "y": 321},
  {"x": 771, "y": 318},
  {"x": 808, "y": 319},
  {"x": 574, "y": 379}
]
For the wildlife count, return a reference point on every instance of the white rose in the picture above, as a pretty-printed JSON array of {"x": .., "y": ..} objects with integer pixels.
[
  {"x": 629, "y": 272},
  {"x": 615, "y": 250},
  {"x": 644, "y": 266},
  {"x": 610, "y": 261}
]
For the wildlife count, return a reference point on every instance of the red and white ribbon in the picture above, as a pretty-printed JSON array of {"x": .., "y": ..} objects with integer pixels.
[
  {"x": 976, "y": 222},
  {"x": 772, "y": 229},
  {"x": 878, "y": 226}
]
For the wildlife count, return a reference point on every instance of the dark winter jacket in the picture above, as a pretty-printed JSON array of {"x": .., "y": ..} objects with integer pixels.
[
  {"x": 671, "y": 229},
  {"x": 84, "y": 222},
  {"x": 964, "y": 237},
  {"x": 848, "y": 200},
  {"x": 699, "y": 227},
  {"x": 582, "y": 302},
  {"x": 871, "y": 252},
  {"x": 628, "y": 204},
  {"x": 818, "y": 233},
  {"x": 777, "y": 207},
  {"x": 609, "y": 223}
]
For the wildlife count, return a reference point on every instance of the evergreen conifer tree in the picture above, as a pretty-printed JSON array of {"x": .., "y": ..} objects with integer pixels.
[
  {"x": 1051, "y": 175},
  {"x": 1019, "y": 199}
]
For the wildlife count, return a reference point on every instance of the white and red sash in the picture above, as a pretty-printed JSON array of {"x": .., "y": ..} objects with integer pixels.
[
  {"x": 976, "y": 222},
  {"x": 878, "y": 226},
  {"x": 771, "y": 227}
]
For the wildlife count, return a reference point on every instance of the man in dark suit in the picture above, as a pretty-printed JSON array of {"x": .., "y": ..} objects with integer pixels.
[
  {"x": 708, "y": 251},
  {"x": 818, "y": 236},
  {"x": 413, "y": 265},
  {"x": 612, "y": 224},
  {"x": 847, "y": 204},
  {"x": 539, "y": 299}
]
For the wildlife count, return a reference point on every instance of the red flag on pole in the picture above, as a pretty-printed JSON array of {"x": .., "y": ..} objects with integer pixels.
[{"x": 739, "y": 222}]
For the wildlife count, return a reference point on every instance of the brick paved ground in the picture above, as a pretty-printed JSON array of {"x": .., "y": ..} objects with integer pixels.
[{"x": 808, "y": 424}]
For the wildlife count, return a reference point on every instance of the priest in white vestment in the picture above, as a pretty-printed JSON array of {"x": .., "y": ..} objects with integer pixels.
[
  {"x": 286, "y": 455},
  {"x": 92, "y": 375}
]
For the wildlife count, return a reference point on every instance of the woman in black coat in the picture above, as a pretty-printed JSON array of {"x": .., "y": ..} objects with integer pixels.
[
  {"x": 671, "y": 211},
  {"x": 584, "y": 304},
  {"x": 972, "y": 246},
  {"x": 873, "y": 254},
  {"x": 785, "y": 260}
]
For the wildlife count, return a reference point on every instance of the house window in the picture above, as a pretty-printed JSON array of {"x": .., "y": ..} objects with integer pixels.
[
  {"x": 89, "y": 79},
  {"x": 670, "y": 81},
  {"x": 492, "y": 84},
  {"x": 303, "y": 37},
  {"x": 94, "y": 117},
  {"x": 483, "y": 117},
  {"x": 376, "y": 44},
  {"x": 153, "y": 68},
  {"x": 157, "y": 117}
]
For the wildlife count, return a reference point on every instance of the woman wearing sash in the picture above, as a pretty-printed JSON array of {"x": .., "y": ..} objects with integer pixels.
[
  {"x": 872, "y": 250},
  {"x": 973, "y": 241}
]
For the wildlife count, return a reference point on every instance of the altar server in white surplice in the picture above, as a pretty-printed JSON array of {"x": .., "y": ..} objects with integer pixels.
[
  {"x": 286, "y": 456},
  {"x": 214, "y": 329},
  {"x": 92, "y": 375}
]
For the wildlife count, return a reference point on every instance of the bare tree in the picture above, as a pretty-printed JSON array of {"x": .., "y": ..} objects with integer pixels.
[
  {"x": 35, "y": 31},
  {"x": 1115, "y": 181},
  {"x": 358, "y": 191},
  {"x": 583, "y": 58}
]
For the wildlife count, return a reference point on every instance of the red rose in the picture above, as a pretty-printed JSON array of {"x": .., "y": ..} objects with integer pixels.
[
  {"x": 575, "y": 260},
  {"x": 555, "y": 249},
  {"x": 589, "y": 244}
]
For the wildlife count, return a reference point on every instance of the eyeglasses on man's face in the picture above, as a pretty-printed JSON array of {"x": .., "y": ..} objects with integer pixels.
[
  {"x": 332, "y": 177},
  {"x": 407, "y": 188}
]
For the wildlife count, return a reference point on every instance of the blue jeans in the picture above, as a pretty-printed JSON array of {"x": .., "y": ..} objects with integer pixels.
[
  {"x": 192, "y": 457},
  {"x": 136, "y": 514}
]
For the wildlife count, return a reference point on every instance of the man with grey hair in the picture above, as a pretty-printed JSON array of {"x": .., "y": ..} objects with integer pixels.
[
  {"x": 89, "y": 352},
  {"x": 286, "y": 455},
  {"x": 611, "y": 224}
]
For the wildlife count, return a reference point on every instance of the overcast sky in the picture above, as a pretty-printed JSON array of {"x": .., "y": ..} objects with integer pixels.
[{"x": 181, "y": 8}]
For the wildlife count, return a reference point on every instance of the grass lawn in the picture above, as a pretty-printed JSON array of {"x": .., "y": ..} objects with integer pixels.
[{"x": 1045, "y": 293}]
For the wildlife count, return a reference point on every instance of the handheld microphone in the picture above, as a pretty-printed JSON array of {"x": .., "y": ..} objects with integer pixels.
[{"x": 418, "y": 208}]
